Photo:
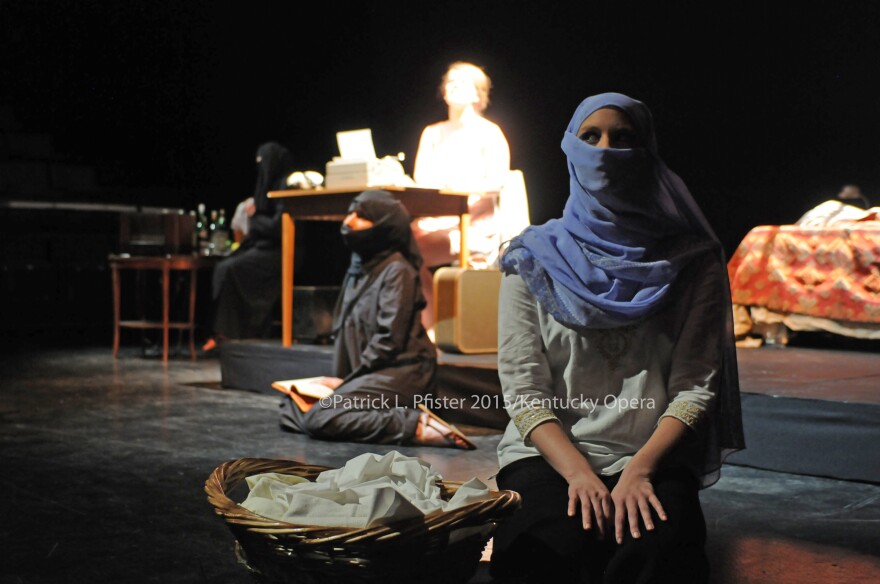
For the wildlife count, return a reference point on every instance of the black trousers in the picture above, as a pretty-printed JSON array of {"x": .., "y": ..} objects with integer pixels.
[{"x": 541, "y": 543}]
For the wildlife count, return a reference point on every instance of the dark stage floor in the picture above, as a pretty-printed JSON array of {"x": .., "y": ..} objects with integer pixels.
[{"x": 104, "y": 464}]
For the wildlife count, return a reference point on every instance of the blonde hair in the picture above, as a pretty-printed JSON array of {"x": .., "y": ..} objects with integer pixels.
[{"x": 482, "y": 83}]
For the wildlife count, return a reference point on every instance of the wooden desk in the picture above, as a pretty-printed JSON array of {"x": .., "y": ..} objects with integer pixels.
[
  {"x": 165, "y": 264},
  {"x": 332, "y": 205}
]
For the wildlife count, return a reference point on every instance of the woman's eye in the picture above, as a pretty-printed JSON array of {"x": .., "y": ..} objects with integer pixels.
[
  {"x": 625, "y": 140},
  {"x": 590, "y": 137}
]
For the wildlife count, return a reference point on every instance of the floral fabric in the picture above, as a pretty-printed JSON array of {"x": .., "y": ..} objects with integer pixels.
[{"x": 828, "y": 272}]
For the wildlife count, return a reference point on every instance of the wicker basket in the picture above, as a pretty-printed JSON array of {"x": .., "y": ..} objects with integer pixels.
[{"x": 444, "y": 548}]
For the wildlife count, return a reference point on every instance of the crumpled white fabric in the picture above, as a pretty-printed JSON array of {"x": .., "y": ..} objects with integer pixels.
[
  {"x": 833, "y": 212},
  {"x": 371, "y": 489}
]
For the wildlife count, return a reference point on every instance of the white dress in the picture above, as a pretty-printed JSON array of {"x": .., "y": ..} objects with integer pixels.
[{"x": 473, "y": 157}]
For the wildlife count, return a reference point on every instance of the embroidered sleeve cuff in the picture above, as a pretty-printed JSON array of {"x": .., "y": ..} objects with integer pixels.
[
  {"x": 526, "y": 420},
  {"x": 687, "y": 412}
]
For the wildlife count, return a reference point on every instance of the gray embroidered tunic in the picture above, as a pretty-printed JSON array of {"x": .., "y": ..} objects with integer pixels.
[{"x": 608, "y": 388}]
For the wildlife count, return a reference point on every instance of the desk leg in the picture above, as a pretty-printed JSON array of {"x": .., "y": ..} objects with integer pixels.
[
  {"x": 116, "y": 299},
  {"x": 192, "y": 313},
  {"x": 288, "y": 236},
  {"x": 465, "y": 254},
  {"x": 166, "y": 276}
]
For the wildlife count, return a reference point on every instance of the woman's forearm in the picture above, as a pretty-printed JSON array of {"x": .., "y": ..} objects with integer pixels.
[
  {"x": 587, "y": 494},
  {"x": 556, "y": 447},
  {"x": 634, "y": 495},
  {"x": 667, "y": 434}
]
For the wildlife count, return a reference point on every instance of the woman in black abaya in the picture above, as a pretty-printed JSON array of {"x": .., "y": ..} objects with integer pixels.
[{"x": 247, "y": 284}]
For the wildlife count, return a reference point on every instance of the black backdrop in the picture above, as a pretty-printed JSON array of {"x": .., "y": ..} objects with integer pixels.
[{"x": 765, "y": 109}]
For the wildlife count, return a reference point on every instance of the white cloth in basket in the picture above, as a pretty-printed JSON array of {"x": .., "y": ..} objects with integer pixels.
[{"x": 371, "y": 489}]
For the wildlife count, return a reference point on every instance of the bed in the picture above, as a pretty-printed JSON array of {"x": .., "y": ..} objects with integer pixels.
[{"x": 808, "y": 278}]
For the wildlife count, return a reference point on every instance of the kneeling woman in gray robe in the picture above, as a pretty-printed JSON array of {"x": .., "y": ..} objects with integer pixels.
[{"x": 384, "y": 362}]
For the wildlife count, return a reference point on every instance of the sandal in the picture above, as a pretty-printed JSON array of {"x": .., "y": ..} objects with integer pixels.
[{"x": 452, "y": 436}]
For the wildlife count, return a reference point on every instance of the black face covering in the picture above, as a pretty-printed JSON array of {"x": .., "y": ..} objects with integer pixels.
[{"x": 390, "y": 232}]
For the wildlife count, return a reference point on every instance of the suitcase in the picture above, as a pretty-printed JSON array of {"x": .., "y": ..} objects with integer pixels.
[{"x": 466, "y": 310}]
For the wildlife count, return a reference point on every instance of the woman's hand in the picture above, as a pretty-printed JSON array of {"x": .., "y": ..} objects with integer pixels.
[
  {"x": 634, "y": 496},
  {"x": 585, "y": 489},
  {"x": 591, "y": 494}
]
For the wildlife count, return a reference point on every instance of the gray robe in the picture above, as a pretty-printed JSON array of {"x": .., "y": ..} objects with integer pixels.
[{"x": 384, "y": 357}]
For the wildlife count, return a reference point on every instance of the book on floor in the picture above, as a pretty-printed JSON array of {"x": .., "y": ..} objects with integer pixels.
[{"x": 305, "y": 392}]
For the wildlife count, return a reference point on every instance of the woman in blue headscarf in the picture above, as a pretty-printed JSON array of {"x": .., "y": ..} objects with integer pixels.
[{"x": 618, "y": 367}]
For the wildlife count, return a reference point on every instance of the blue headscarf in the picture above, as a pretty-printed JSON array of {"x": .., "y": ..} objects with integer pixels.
[
  {"x": 628, "y": 228},
  {"x": 630, "y": 225}
]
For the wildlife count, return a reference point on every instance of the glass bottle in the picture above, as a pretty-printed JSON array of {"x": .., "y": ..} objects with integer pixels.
[
  {"x": 194, "y": 243},
  {"x": 202, "y": 229},
  {"x": 223, "y": 239},
  {"x": 212, "y": 232}
]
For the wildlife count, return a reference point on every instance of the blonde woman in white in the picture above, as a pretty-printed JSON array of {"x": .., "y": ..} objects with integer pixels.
[{"x": 467, "y": 153}]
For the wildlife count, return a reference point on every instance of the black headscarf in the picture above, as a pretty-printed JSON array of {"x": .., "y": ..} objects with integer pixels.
[
  {"x": 274, "y": 166},
  {"x": 390, "y": 232},
  {"x": 371, "y": 247}
]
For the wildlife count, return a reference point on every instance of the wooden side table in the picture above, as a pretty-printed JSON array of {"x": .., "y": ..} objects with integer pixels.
[{"x": 164, "y": 264}]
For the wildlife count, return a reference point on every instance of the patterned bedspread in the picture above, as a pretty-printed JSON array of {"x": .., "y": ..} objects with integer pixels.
[{"x": 827, "y": 272}]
